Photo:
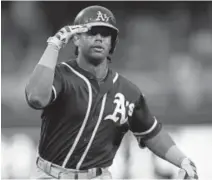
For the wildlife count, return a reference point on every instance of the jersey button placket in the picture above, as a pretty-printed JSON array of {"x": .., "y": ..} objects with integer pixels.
[{"x": 93, "y": 119}]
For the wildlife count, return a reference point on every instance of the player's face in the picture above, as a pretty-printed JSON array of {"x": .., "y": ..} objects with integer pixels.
[{"x": 95, "y": 44}]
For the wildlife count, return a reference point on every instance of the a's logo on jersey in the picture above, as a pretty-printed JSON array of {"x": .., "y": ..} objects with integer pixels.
[
  {"x": 102, "y": 17},
  {"x": 122, "y": 111}
]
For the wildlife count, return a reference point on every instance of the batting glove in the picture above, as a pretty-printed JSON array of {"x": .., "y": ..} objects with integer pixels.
[
  {"x": 61, "y": 38},
  {"x": 190, "y": 169}
]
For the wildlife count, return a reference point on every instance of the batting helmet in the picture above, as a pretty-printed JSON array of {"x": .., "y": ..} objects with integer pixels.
[{"x": 99, "y": 16}]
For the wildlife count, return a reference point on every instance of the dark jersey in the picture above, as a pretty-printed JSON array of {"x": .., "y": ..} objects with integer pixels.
[{"x": 83, "y": 125}]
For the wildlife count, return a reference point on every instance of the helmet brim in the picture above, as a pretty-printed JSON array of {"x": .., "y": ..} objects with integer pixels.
[{"x": 92, "y": 24}]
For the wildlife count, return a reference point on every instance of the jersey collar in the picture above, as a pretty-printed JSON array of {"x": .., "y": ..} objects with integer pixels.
[{"x": 108, "y": 81}]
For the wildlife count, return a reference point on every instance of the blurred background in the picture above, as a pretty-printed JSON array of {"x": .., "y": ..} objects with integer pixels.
[{"x": 164, "y": 47}]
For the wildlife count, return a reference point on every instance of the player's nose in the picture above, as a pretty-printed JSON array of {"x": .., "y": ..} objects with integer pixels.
[{"x": 99, "y": 37}]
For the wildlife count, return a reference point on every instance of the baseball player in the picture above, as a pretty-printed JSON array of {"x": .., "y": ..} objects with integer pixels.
[{"x": 88, "y": 107}]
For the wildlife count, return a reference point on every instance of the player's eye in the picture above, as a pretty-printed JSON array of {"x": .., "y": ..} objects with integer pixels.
[{"x": 104, "y": 32}]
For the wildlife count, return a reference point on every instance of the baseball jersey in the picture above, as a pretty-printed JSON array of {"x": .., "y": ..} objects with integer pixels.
[{"x": 84, "y": 123}]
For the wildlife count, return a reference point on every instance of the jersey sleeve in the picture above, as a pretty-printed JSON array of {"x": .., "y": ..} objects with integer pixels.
[
  {"x": 143, "y": 125},
  {"x": 58, "y": 83}
]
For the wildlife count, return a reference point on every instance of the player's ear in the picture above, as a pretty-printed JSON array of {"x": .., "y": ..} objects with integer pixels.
[{"x": 76, "y": 39}]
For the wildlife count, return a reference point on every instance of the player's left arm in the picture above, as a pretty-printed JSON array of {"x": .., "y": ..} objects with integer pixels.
[{"x": 149, "y": 133}]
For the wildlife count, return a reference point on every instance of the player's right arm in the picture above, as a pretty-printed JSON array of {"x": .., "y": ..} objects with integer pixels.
[{"x": 39, "y": 87}]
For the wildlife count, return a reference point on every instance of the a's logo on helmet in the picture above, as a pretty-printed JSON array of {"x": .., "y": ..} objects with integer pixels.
[{"x": 102, "y": 17}]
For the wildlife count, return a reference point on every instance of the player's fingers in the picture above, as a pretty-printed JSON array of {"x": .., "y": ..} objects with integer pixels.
[
  {"x": 63, "y": 30},
  {"x": 58, "y": 36},
  {"x": 194, "y": 168},
  {"x": 192, "y": 174},
  {"x": 190, "y": 169},
  {"x": 79, "y": 29},
  {"x": 82, "y": 30},
  {"x": 196, "y": 176},
  {"x": 192, "y": 163},
  {"x": 60, "y": 33},
  {"x": 67, "y": 28},
  {"x": 181, "y": 174}
]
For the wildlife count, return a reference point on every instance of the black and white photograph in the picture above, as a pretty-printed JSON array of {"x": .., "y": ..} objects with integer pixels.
[{"x": 106, "y": 90}]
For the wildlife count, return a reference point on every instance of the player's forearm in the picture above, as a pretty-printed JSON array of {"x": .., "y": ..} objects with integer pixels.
[
  {"x": 175, "y": 156},
  {"x": 39, "y": 87},
  {"x": 163, "y": 146},
  {"x": 49, "y": 57}
]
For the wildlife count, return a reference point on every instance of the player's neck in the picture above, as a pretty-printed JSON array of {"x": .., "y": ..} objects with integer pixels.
[{"x": 99, "y": 71}]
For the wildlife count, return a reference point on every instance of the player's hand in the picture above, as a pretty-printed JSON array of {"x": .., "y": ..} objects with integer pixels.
[
  {"x": 190, "y": 171},
  {"x": 61, "y": 38}
]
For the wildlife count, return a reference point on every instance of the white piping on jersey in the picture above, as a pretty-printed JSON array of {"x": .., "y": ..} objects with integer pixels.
[
  {"x": 96, "y": 127},
  {"x": 54, "y": 92},
  {"x": 93, "y": 133},
  {"x": 149, "y": 130},
  {"x": 115, "y": 78},
  {"x": 86, "y": 115}
]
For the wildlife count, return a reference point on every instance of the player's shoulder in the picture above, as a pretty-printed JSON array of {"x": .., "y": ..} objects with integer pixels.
[
  {"x": 66, "y": 66},
  {"x": 128, "y": 85}
]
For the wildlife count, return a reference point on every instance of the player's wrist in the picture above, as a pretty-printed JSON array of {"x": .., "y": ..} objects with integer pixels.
[
  {"x": 50, "y": 56},
  {"x": 185, "y": 161},
  {"x": 54, "y": 42}
]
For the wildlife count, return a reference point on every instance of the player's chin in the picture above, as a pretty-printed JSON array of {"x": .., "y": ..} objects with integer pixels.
[
  {"x": 97, "y": 58},
  {"x": 98, "y": 53}
]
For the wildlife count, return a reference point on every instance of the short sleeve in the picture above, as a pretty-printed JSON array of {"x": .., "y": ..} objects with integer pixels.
[
  {"x": 143, "y": 125},
  {"x": 58, "y": 83}
]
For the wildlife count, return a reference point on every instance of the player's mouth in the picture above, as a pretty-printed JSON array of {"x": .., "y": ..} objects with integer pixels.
[{"x": 98, "y": 48}]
